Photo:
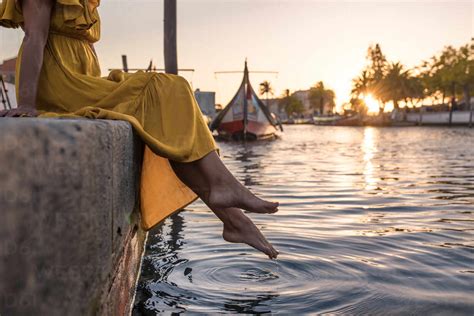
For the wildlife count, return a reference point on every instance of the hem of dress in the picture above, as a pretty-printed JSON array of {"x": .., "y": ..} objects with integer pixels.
[
  {"x": 147, "y": 228},
  {"x": 199, "y": 155}
]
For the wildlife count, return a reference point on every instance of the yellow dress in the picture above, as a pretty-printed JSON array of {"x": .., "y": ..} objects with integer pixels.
[{"x": 160, "y": 107}]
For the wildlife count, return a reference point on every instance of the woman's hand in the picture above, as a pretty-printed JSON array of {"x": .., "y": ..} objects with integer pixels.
[{"x": 21, "y": 111}]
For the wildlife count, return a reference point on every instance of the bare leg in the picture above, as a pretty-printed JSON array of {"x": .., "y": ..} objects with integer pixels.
[
  {"x": 217, "y": 187},
  {"x": 238, "y": 228}
]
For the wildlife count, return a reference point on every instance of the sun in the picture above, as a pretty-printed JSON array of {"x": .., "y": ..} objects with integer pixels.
[{"x": 372, "y": 104}]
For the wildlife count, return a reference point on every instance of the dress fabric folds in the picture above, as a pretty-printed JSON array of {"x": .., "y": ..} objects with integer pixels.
[{"x": 160, "y": 107}]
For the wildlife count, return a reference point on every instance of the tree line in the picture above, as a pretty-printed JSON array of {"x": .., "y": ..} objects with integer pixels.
[
  {"x": 449, "y": 73},
  {"x": 319, "y": 97}
]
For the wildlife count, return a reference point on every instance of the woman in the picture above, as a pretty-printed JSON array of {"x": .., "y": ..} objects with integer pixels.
[{"x": 58, "y": 75}]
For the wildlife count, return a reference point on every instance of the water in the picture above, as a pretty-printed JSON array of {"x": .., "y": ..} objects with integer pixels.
[{"x": 373, "y": 220}]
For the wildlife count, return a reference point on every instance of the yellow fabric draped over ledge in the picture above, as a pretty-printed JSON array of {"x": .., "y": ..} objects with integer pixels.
[{"x": 161, "y": 107}]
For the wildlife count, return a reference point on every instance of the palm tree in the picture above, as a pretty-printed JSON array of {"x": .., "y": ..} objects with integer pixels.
[
  {"x": 360, "y": 85},
  {"x": 370, "y": 80},
  {"x": 431, "y": 79},
  {"x": 266, "y": 88},
  {"x": 451, "y": 71},
  {"x": 377, "y": 70},
  {"x": 462, "y": 71},
  {"x": 290, "y": 103},
  {"x": 378, "y": 63},
  {"x": 416, "y": 91},
  {"x": 319, "y": 97},
  {"x": 395, "y": 84},
  {"x": 358, "y": 105}
]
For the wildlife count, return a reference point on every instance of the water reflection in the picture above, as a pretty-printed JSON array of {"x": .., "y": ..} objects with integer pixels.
[
  {"x": 369, "y": 148},
  {"x": 373, "y": 221},
  {"x": 258, "y": 305},
  {"x": 165, "y": 241},
  {"x": 250, "y": 164},
  {"x": 165, "y": 266}
]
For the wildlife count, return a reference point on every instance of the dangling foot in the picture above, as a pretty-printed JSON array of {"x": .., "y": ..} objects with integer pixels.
[
  {"x": 236, "y": 195},
  {"x": 209, "y": 178},
  {"x": 238, "y": 228}
]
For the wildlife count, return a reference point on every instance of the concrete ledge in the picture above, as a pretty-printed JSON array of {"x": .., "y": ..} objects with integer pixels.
[{"x": 70, "y": 243}]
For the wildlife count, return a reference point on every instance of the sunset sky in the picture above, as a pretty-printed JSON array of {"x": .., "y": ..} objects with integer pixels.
[{"x": 304, "y": 40}]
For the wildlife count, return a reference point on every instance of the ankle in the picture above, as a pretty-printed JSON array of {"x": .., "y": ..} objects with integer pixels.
[{"x": 238, "y": 220}]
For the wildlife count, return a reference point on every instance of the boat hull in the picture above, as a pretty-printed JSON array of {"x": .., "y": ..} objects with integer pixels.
[
  {"x": 246, "y": 117},
  {"x": 255, "y": 131}
]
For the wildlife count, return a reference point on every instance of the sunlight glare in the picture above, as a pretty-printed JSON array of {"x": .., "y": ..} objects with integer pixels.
[
  {"x": 372, "y": 104},
  {"x": 369, "y": 149}
]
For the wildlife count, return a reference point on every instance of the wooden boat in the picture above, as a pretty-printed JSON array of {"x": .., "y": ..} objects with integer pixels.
[
  {"x": 326, "y": 120},
  {"x": 337, "y": 120},
  {"x": 245, "y": 117},
  {"x": 354, "y": 120}
]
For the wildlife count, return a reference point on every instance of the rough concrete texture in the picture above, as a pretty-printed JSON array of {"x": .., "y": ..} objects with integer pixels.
[
  {"x": 67, "y": 190},
  {"x": 117, "y": 300}
]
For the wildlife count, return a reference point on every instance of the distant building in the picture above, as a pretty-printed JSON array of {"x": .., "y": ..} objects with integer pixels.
[
  {"x": 206, "y": 101},
  {"x": 7, "y": 70},
  {"x": 303, "y": 96},
  {"x": 275, "y": 107},
  {"x": 272, "y": 105}
]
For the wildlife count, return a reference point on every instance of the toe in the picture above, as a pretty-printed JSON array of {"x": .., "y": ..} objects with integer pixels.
[
  {"x": 268, "y": 251},
  {"x": 271, "y": 207},
  {"x": 274, "y": 253},
  {"x": 275, "y": 205}
]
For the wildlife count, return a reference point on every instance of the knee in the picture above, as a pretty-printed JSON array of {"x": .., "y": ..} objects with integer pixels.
[
  {"x": 180, "y": 84},
  {"x": 179, "y": 80}
]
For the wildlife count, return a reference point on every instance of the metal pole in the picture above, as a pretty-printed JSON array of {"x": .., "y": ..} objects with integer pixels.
[
  {"x": 470, "y": 116},
  {"x": 124, "y": 63},
  {"x": 6, "y": 94},
  {"x": 451, "y": 114},
  {"x": 421, "y": 115},
  {"x": 4, "y": 102},
  {"x": 453, "y": 104},
  {"x": 246, "y": 76},
  {"x": 170, "y": 41}
]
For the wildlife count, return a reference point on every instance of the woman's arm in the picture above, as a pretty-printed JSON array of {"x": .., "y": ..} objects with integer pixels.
[{"x": 37, "y": 15}]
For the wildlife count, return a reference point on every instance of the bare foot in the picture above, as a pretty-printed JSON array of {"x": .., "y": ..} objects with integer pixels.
[
  {"x": 209, "y": 178},
  {"x": 238, "y": 228},
  {"x": 236, "y": 195}
]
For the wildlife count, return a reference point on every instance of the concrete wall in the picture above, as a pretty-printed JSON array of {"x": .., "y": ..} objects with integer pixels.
[
  {"x": 68, "y": 242},
  {"x": 439, "y": 118}
]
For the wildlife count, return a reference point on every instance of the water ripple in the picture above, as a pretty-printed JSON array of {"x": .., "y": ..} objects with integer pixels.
[{"x": 372, "y": 221}]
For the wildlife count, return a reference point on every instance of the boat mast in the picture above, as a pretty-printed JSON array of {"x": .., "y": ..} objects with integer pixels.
[{"x": 246, "y": 87}]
